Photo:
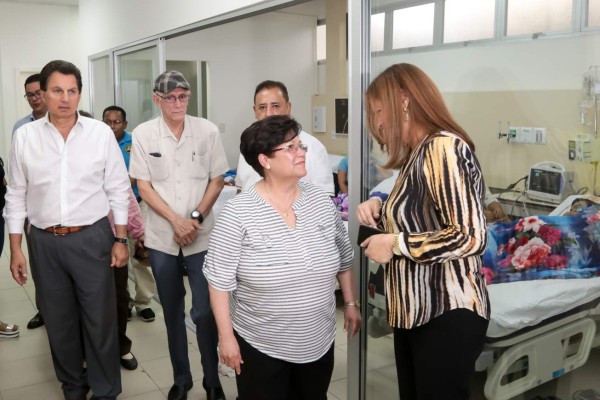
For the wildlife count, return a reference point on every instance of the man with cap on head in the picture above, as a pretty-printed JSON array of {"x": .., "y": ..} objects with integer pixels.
[{"x": 178, "y": 161}]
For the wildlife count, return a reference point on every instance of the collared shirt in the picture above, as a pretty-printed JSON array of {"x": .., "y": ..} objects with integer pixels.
[
  {"x": 25, "y": 120},
  {"x": 282, "y": 280},
  {"x": 179, "y": 172},
  {"x": 125, "y": 144},
  {"x": 70, "y": 183},
  {"x": 318, "y": 167}
]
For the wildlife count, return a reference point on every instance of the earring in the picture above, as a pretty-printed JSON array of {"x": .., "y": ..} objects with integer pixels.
[
  {"x": 406, "y": 114},
  {"x": 268, "y": 166}
]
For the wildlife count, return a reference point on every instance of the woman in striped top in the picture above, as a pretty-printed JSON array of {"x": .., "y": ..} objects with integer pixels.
[
  {"x": 278, "y": 248},
  {"x": 436, "y": 296}
]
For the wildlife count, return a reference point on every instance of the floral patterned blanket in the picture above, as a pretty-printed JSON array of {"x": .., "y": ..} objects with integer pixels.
[{"x": 544, "y": 247}]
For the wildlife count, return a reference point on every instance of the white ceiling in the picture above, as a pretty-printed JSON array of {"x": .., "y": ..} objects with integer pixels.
[{"x": 52, "y": 2}]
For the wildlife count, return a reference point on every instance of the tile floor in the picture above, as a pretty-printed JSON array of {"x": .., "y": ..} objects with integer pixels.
[{"x": 26, "y": 370}]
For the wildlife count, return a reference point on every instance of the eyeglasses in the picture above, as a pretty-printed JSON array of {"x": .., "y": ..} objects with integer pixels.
[
  {"x": 33, "y": 95},
  {"x": 293, "y": 148},
  {"x": 183, "y": 98},
  {"x": 111, "y": 122}
]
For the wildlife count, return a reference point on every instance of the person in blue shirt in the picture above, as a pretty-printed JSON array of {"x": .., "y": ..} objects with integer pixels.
[
  {"x": 342, "y": 175},
  {"x": 145, "y": 285}
]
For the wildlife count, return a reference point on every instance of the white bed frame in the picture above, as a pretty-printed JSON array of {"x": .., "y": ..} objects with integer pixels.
[{"x": 525, "y": 361}]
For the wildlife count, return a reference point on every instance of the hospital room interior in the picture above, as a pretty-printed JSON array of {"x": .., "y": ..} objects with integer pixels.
[{"x": 522, "y": 77}]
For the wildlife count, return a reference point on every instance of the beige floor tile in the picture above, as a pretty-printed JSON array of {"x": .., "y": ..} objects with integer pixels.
[
  {"x": 340, "y": 366},
  {"x": 159, "y": 370},
  {"x": 338, "y": 388},
  {"x": 23, "y": 309},
  {"x": 156, "y": 395},
  {"x": 150, "y": 347},
  {"x": 25, "y": 372},
  {"x": 23, "y": 347},
  {"x": 45, "y": 391},
  {"x": 9, "y": 296},
  {"x": 136, "y": 382}
]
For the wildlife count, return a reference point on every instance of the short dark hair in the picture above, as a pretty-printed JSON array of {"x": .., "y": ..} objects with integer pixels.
[
  {"x": 115, "y": 108},
  {"x": 64, "y": 67},
  {"x": 263, "y": 136},
  {"x": 271, "y": 85},
  {"x": 32, "y": 78}
]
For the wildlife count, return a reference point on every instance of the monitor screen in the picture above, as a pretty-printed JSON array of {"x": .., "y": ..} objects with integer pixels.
[{"x": 544, "y": 181}]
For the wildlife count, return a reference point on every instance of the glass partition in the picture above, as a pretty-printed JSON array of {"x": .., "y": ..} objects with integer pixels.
[
  {"x": 522, "y": 106},
  {"x": 136, "y": 70},
  {"x": 101, "y": 88}
]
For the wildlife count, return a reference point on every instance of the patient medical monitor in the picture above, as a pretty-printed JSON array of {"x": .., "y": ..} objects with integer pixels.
[{"x": 549, "y": 181}]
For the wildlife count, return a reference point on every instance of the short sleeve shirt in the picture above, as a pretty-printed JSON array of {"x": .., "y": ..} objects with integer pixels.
[
  {"x": 179, "y": 172},
  {"x": 125, "y": 145}
]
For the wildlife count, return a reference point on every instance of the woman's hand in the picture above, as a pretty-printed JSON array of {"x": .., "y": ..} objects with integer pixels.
[
  {"x": 229, "y": 353},
  {"x": 352, "y": 319},
  {"x": 379, "y": 248},
  {"x": 368, "y": 212}
]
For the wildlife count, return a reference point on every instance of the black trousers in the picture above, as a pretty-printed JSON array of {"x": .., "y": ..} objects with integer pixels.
[
  {"x": 76, "y": 289},
  {"x": 435, "y": 361},
  {"x": 121, "y": 279},
  {"x": 267, "y": 378}
]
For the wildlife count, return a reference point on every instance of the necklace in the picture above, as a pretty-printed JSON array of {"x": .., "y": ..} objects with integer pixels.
[{"x": 283, "y": 211}]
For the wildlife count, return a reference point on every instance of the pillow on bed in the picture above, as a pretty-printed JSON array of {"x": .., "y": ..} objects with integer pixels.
[{"x": 544, "y": 247}]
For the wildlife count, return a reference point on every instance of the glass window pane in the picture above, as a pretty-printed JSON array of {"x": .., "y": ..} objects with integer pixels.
[
  {"x": 137, "y": 71},
  {"x": 594, "y": 14},
  {"x": 468, "y": 20},
  {"x": 377, "y": 31},
  {"x": 531, "y": 16},
  {"x": 413, "y": 26},
  {"x": 102, "y": 90},
  {"x": 321, "y": 42}
]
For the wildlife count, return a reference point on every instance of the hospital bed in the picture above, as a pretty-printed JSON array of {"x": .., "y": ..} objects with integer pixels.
[{"x": 539, "y": 329}]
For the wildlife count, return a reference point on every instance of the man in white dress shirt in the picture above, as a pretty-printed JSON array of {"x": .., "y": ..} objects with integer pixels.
[
  {"x": 66, "y": 172},
  {"x": 271, "y": 98}
]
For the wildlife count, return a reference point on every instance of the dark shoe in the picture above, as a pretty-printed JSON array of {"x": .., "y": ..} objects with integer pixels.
[
  {"x": 213, "y": 393},
  {"x": 179, "y": 392},
  {"x": 147, "y": 315},
  {"x": 129, "y": 363},
  {"x": 129, "y": 314},
  {"x": 36, "y": 321}
]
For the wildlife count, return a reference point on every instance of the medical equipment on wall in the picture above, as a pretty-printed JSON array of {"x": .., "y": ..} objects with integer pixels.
[
  {"x": 584, "y": 148},
  {"x": 549, "y": 181},
  {"x": 590, "y": 94}
]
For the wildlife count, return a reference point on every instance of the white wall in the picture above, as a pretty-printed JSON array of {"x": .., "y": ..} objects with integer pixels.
[
  {"x": 30, "y": 36},
  {"x": 240, "y": 55},
  {"x": 529, "y": 83},
  {"x": 112, "y": 23},
  {"x": 543, "y": 64}
]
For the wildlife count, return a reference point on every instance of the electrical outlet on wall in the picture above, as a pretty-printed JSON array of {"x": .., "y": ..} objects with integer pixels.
[{"x": 539, "y": 135}]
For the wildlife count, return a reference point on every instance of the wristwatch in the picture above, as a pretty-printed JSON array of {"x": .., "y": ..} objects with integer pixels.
[
  {"x": 354, "y": 303},
  {"x": 121, "y": 240},
  {"x": 197, "y": 215}
]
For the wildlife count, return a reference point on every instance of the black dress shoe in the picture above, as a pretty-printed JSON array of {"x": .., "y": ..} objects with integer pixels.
[
  {"x": 36, "y": 321},
  {"x": 179, "y": 392},
  {"x": 129, "y": 363},
  {"x": 213, "y": 393}
]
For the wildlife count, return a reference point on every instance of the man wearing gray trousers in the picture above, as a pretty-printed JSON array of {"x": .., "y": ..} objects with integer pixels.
[{"x": 66, "y": 173}]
